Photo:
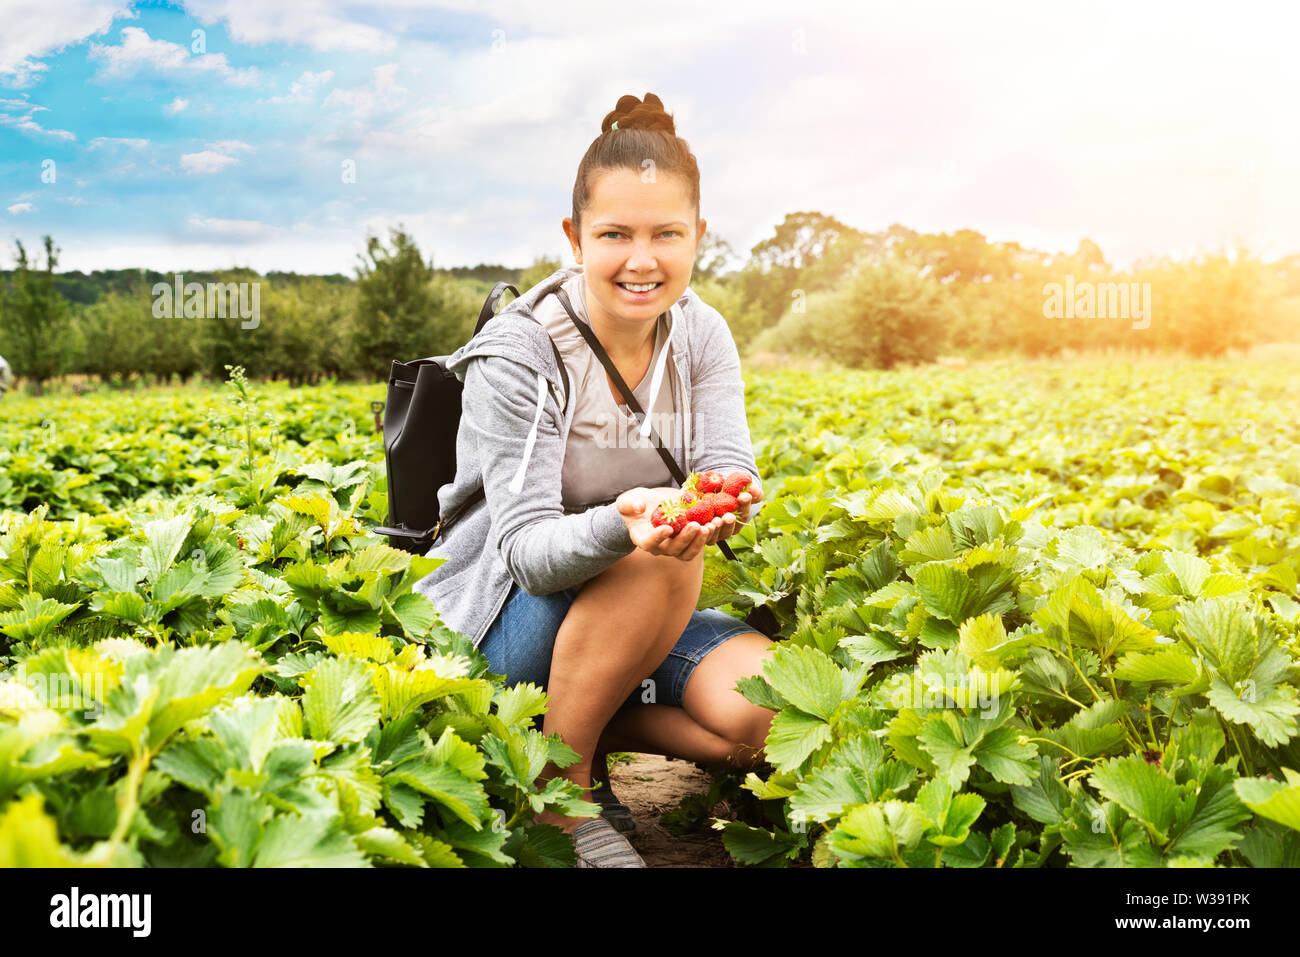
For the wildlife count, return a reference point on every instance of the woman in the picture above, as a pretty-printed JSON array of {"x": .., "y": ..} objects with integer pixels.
[{"x": 557, "y": 573}]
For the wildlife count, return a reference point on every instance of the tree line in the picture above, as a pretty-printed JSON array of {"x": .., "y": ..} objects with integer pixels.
[{"x": 816, "y": 287}]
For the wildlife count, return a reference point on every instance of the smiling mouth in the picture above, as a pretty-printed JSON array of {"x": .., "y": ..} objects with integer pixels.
[{"x": 642, "y": 287}]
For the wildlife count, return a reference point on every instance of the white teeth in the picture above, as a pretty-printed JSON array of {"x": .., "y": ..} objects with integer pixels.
[{"x": 643, "y": 288}]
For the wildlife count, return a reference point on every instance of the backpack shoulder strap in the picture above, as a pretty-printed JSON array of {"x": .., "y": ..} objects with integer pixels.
[{"x": 489, "y": 310}]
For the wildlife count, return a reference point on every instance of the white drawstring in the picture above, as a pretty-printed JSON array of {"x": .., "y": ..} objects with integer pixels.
[
  {"x": 517, "y": 483},
  {"x": 655, "y": 382}
]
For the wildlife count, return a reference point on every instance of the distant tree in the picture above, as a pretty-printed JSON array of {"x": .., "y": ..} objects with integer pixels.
[
  {"x": 539, "y": 270},
  {"x": 36, "y": 330},
  {"x": 393, "y": 304},
  {"x": 801, "y": 240},
  {"x": 808, "y": 251},
  {"x": 884, "y": 314},
  {"x": 711, "y": 257}
]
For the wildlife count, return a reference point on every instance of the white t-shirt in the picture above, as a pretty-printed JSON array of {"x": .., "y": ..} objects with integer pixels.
[{"x": 605, "y": 454}]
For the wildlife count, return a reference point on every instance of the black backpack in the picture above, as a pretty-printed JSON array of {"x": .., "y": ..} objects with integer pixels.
[{"x": 421, "y": 419}]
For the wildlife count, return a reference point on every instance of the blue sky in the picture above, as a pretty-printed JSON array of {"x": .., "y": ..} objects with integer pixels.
[{"x": 1149, "y": 127}]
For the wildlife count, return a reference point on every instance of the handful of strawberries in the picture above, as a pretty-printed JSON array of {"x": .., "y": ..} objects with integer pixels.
[{"x": 705, "y": 496}]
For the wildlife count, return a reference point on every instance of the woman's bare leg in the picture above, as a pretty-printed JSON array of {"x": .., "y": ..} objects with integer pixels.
[
  {"x": 619, "y": 628},
  {"x": 716, "y": 725}
]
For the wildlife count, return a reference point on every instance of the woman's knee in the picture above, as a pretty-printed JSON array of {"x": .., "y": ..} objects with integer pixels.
[{"x": 711, "y": 696}]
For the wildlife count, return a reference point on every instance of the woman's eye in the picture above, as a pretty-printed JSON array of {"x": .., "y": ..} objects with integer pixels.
[{"x": 666, "y": 232}]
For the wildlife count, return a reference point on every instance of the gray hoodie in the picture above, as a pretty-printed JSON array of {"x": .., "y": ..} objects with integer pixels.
[{"x": 513, "y": 430}]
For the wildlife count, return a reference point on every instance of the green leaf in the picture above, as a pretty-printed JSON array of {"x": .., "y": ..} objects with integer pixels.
[
  {"x": 235, "y": 823},
  {"x": 951, "y": 816},
  {"x": 386, "y": 843},
  {"x": 757, "y": 691},
  {"x": 955, "y": 593},
  {"x": 1001, "y": 754},
  {"x": 793, "y": 736},
  {"x": 435, "y": 853},
  {"x": 414, "y": 613},
  {"x": 1269, "y": 710},
  {"x": 29, "y": 837},
  {"x": 163, "y": 540},
  {"x": 806, "y": 677},
  {"x": 1222, "y": 629},
  {"x": 37, "y": 747},
  {"x": 1107, "y": 837},
  {"x": 873, "y": 649},
  {"x": 941, "y": 737},
  {"x": 339, "y": 702},
  {"x": 405, "y": 803},
  {"x": 1143, "y": 790},
  {"x": 1276, "y": 800},
  {"x": 1190, "y": 570},
  {"x": 543, "y": 845},
  {"x": 1091, "y": 732},
  {"x": 163, "y": 689},
  {"x": 519, "y": 703},
  {"x": 308, "y": 840},
  {"x": 825, "y": 792},
  {"x": 1045, "y": 799},
  {"x": 755, "y": 846},
  {"x": 1167, "y": 665},
  {"x": 879, "y": 830},
  {"x": 1208, "y": 815},
  {"x": 34, "y": 618}
]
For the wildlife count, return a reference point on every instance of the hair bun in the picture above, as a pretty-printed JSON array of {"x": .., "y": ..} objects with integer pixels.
[{"x": 633, "y": 114}]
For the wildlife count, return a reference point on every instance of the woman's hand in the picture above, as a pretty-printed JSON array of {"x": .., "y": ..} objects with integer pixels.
[
  {"x": 636, "y": 505},
  {"x": 733, "y": 521}
]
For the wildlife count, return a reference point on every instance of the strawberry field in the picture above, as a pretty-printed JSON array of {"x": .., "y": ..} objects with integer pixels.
[{"x": 1033, "y": 615}]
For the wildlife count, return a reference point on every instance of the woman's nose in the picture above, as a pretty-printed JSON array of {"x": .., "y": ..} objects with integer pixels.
[{"x": 641, "y": 258}]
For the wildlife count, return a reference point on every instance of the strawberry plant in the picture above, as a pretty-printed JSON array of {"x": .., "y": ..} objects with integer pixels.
[{"x": 1041, "y": 626}]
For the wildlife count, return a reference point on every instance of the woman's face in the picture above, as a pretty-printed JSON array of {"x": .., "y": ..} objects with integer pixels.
[{"x": 636, "y": 232}]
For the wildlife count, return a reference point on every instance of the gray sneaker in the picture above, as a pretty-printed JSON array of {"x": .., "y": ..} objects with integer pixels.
[{"x": 599, "y": 845}]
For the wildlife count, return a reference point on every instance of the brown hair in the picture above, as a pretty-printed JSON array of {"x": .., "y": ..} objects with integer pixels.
[{"x": 645, "y": 131}]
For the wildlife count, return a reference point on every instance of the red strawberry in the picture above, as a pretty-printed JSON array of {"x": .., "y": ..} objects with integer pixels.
[
  {"x": 736, "y": 482},
  {"x": 709, "y": 482},
  {"x": 670, "y": 513},
  {"x": 700, "y": 512},
  {"x": 724, "y": 502}
]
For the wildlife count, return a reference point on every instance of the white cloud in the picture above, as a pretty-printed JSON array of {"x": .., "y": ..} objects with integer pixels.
[
  {"x": 243, "y": 229},
  {"x": 138, "y": 51},
  {"x": 175, "y": 106},
  {"x": 128, "y": 142},
  {"x": 205, "y": 161},
  {"x": 229, "y": 146},
  {"x": 303, "y": 89},
  {"x": 17, "y": 208},
  {"x": 384, "y": 94},
  {"x": 34, "y": 30},
  {"x": 9, "y": 110},
  {"x": 314, "y": 23},
  {"x": 214, "y": 158}
]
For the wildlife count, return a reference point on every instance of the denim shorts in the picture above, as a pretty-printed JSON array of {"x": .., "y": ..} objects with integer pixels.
[{"x": 520, "y": 642}]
